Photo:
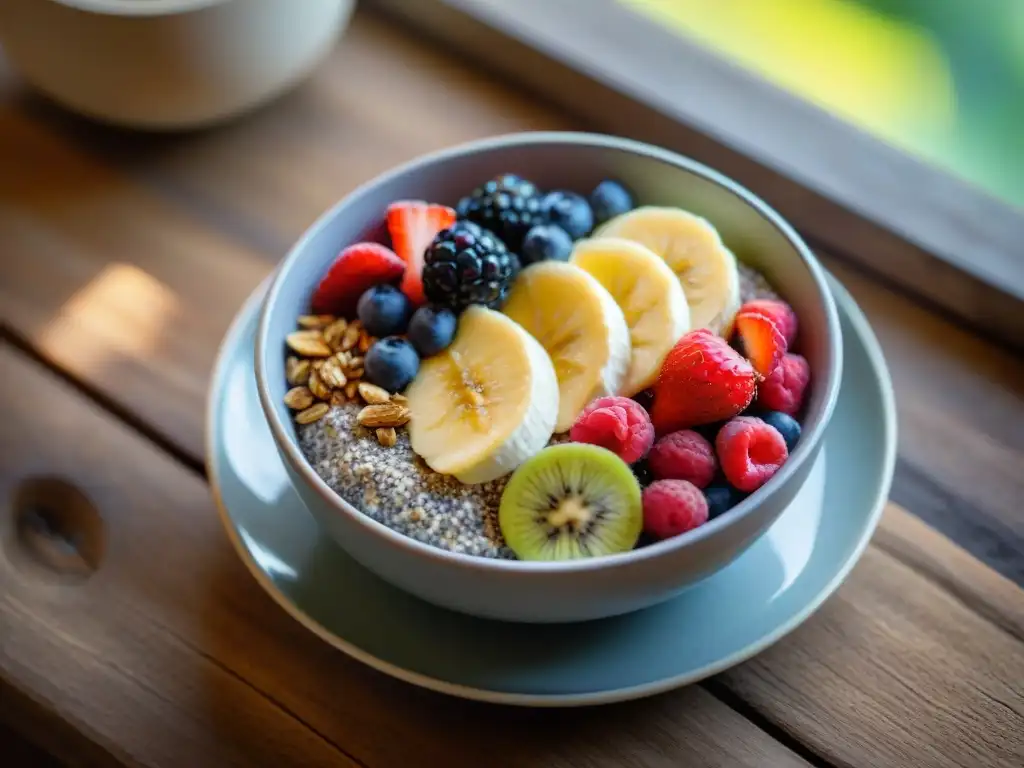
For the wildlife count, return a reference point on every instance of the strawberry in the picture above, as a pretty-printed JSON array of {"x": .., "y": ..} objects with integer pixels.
[
  {"x": 358, "y": 267},
  {"x": 702, "y": 380},
  {"x": 762, "y": 340},
  {"x": 413, "y": 225},
  {"x": 780, "y": 313}
]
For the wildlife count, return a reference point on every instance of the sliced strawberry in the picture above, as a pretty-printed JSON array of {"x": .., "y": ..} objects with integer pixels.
[
  {"x": 762, "y": 340},
  {"x": 702, "y": 380},
  {"x": 413, "y": 225},
  {"x": 358, "y": 267},
  {"x": 780, "y": 313}
]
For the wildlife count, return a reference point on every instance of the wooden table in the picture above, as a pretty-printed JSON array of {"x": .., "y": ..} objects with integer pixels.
[{"x": 122, "y": 260}]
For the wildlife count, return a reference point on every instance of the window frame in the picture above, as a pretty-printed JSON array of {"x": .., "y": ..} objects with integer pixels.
[{"x": 849, "y": 193}]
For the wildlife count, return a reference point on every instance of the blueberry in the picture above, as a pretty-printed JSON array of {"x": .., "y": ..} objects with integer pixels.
[
  {"x": 787, "y": 426},
  {"x": 384, "y": 310},
  {"x": 721, "y": 498},
  {"x": 391, "y": 363},
  {"x": 569, "y": 211},
  {"x": 546, "y": 242},
  {"x": 610, "y": 199},
  {"x": 431, "y": 330}
]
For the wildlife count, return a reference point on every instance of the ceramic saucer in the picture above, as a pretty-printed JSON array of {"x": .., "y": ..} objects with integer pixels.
[{"x": 771, "y": 589}]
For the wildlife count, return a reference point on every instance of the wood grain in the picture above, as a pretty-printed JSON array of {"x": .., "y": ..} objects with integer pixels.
[
  {"x": 172, "y": 655},
  {"x": 187, "y": 639},
  {"x": 896, "y": 671},
  {"x": 122, "y": 260}
]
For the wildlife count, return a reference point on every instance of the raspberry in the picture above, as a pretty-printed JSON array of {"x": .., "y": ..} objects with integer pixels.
[
  {"x": 617, "y": 423},
  {"x": 750, "y": 452},
  {"x": 784, "y": 389},
  {"x": 683, "y": 455},
  {"x": 672, "y": 507}
]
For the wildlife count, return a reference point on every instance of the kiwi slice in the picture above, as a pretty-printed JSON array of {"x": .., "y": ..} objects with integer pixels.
[{"x": 571, "y": 501}]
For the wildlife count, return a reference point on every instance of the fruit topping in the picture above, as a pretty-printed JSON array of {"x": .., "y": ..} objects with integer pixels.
[
  {"x": 581, "y": 328},
  {"x": 569, "y": 211},
  {"x": 571, "y": 501},
  {"x": 508, "y": 205},
  {"x": 546, "y": 242},
  {"x": 413, "y": 224},
  {"x": 693, "y": 250},
  {"x": 357, "y": 268},
  {"x": 391, "y": 364},
  {"x": 618, "y": 424},
  {"x": 763, "y": 342},
  {"x": 432, "y": 329},
  {"x": 784, "y": 389},
  {"x": 721, "y": 498},
  {"x": 610, "y": 199},
  {"x": 649, "y": 296},
  {"x": 468, "y": 265},
  {"x": 780, "y": 313},
  {"x": 750, "y": 452},
  {"x": 486, "y": 403},
  {"x": 787, "y": 426},
  {"x": 672, "y": 507},
  {"x": 384, "y": 310},
  {"x": 684, "y": 455},
  {"x": 702, "y": 381}
]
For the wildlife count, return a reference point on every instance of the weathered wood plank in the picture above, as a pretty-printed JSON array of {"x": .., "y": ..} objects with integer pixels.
[
  {"x": 895, "y": 671},
  {"x": 960, "y": 405},
  {"x": 170, "y": 654}
]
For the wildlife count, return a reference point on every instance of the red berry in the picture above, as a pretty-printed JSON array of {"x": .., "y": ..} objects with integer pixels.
[
  {"x": 702, "y": 380},
  {"x": 672, "y": 507},
  {"x": 750, "y": 452},
  {"x": 357, "y": 268},
  {"x": 784, "y": 390},
  {"x": 762, "y": 340},
  {"x": 683, "y": 455},
  {"x": 413, "y": 225},
  {"x": 780, "y": 313},
  {"x": 617, "y": 423}
]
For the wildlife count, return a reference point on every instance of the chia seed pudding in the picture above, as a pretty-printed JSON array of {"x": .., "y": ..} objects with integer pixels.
[{"x": 393, "y": 485}]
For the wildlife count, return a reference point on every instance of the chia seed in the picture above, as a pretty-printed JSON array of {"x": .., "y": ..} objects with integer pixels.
[{"x": 396, "y": 488}]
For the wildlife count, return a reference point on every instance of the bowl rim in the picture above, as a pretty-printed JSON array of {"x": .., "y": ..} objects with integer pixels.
[{"x": 804, "y": 451}]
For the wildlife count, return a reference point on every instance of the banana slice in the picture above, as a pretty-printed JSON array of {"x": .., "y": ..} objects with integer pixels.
[
  {"x": 485, "y": 404},
  {"x": 582, "y": 328},
  {"x": 695, "y": 252},
  {"x": 649, "y": 295}
]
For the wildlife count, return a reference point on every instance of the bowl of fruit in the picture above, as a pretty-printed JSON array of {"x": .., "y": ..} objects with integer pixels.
[{"x": 548, "y": 377}]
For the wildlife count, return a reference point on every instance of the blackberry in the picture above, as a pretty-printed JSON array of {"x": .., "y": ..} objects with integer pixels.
[
  {"x": 508, "y": 205},
  {"x": 468, "y": 264}
]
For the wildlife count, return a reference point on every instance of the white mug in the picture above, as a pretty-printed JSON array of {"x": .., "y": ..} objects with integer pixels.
[{"x": 167, "y": 64}]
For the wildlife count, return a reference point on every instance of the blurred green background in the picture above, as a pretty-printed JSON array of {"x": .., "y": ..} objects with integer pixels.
[{"x": 941, "y": 78}]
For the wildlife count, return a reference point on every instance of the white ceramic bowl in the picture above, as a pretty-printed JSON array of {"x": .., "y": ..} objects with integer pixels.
[
  {"x": 167, "y": 64},
  {"x": 582, "y": 589}
]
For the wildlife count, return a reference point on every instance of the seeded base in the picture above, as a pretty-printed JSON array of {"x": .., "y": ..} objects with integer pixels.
[{"x": 396, "y": 488}]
